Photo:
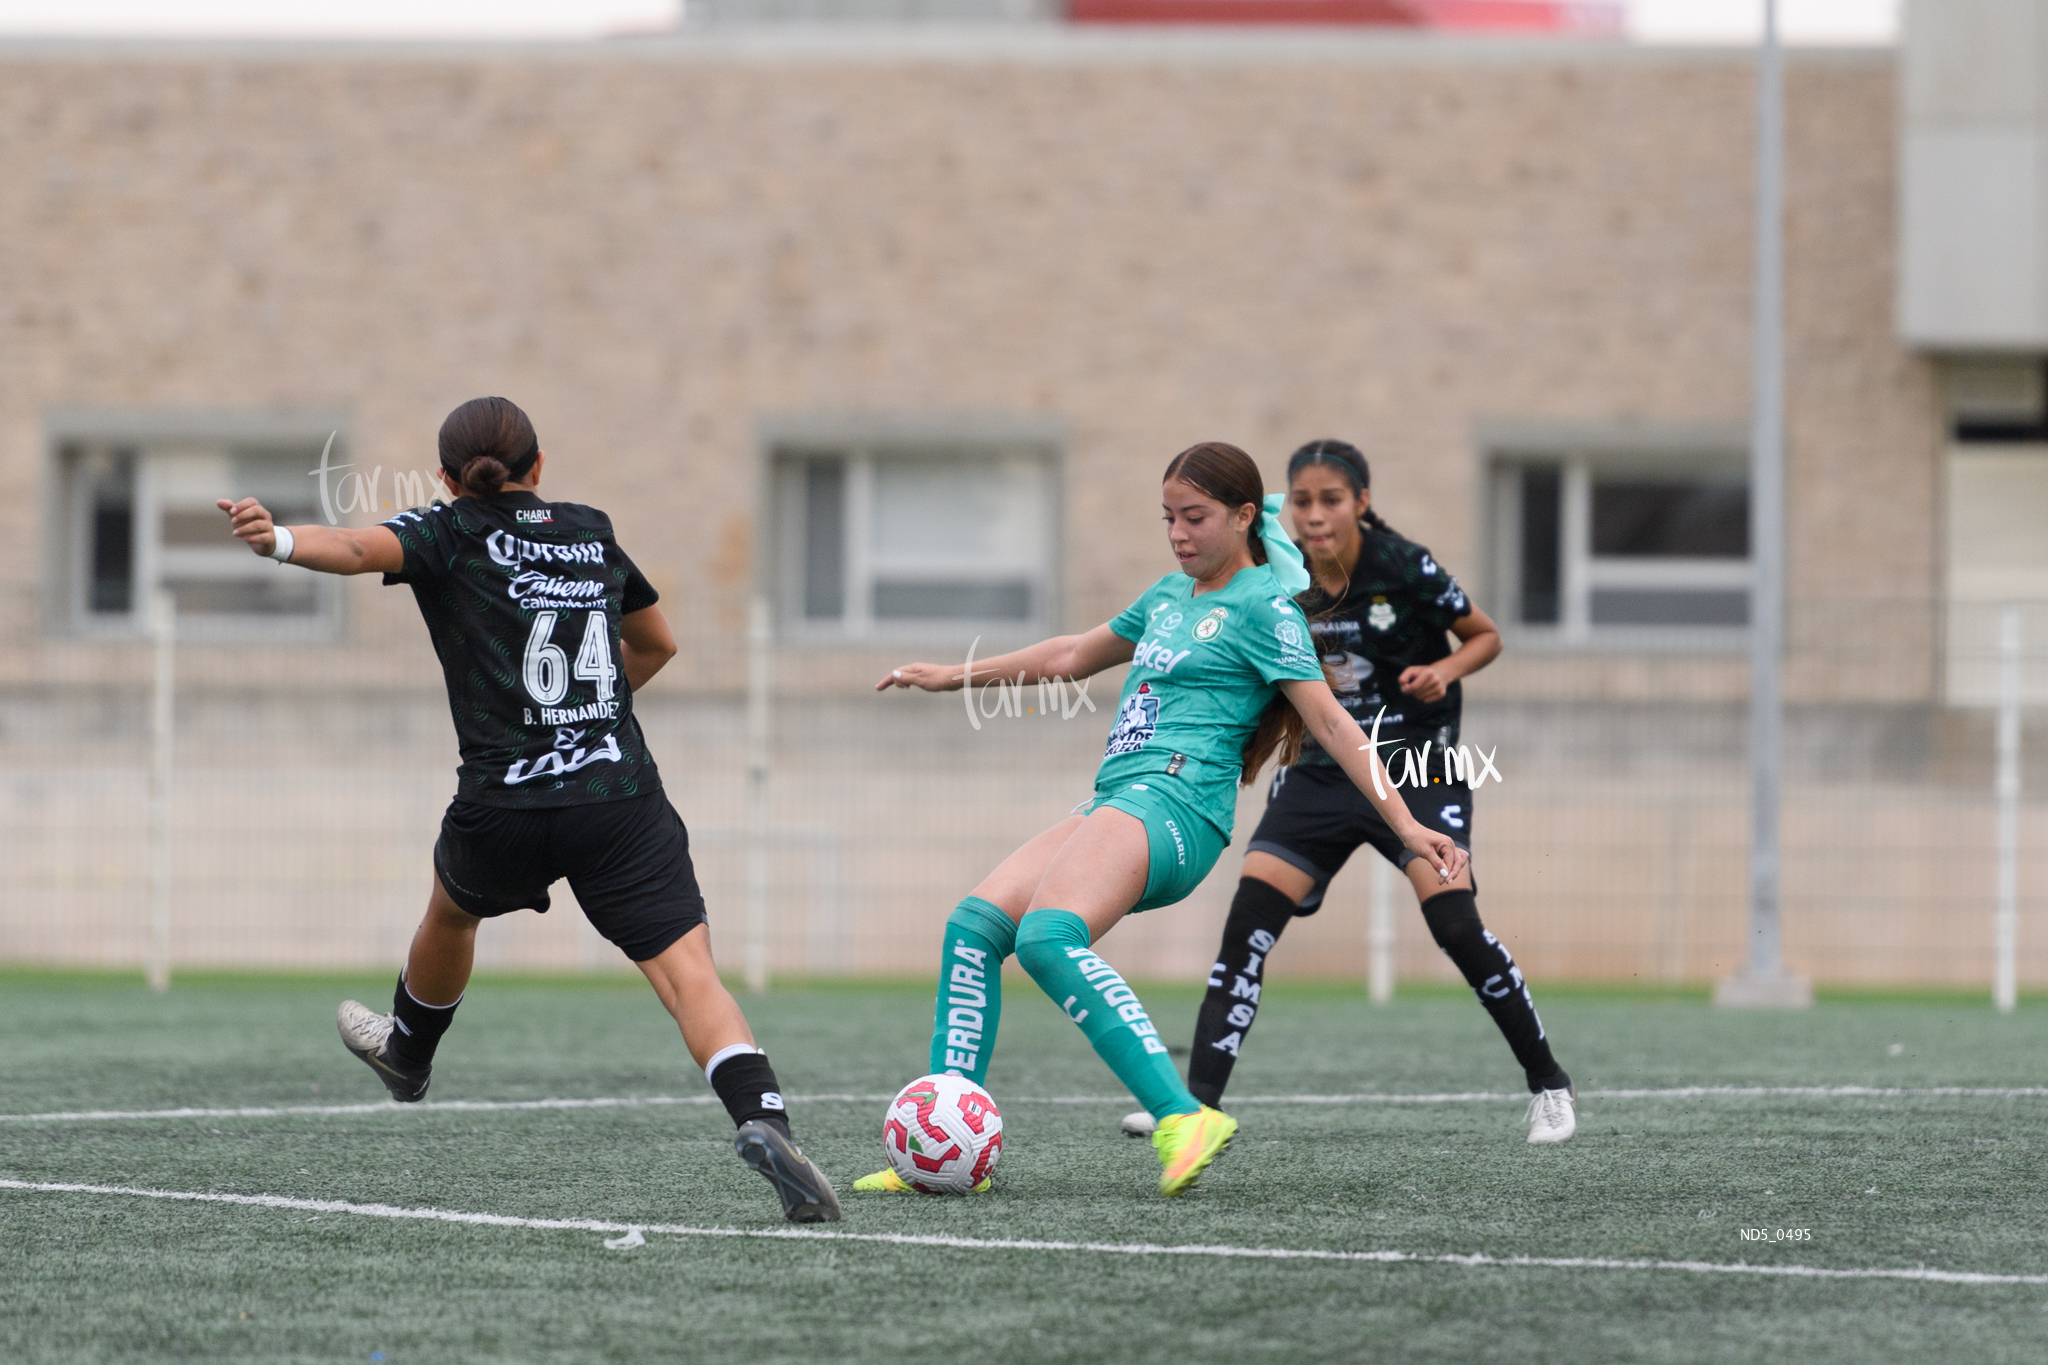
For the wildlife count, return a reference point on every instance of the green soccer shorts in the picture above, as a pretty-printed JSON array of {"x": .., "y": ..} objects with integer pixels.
[{"x": 1183, "y": 845}]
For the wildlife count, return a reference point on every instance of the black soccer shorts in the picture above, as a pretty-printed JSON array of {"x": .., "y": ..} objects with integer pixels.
[
  {"x": 627, "y": 861},
  {"x": 1316, "y": 819}
]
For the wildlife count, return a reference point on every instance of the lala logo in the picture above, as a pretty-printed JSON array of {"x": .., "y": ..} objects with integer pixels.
[{"x": 1380, "y": 616}]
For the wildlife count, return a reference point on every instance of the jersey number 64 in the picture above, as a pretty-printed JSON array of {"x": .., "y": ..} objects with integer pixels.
[{"x": 546, "y": 671}]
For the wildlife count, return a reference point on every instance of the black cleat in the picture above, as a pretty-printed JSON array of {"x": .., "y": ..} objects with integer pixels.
[
  {"x": 368, "y": 1034},
  {"x": 807, "y": 1196}
]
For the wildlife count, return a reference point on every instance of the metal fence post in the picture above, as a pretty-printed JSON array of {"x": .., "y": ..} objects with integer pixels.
[
  {"x": 758, "y": 680},
  {"x": 162, "y": 717},
  {"x": 1381, "y": 935},
  {"x": 1764, "y": 980},
  {"x": 2004, "y": 985}
]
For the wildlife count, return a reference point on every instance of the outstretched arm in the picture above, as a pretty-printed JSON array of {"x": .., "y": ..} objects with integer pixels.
[
  {"x": 328, "y": 549},
  {"x": 1343, "y": 741},
  {"x": 1063, "y": 656}
]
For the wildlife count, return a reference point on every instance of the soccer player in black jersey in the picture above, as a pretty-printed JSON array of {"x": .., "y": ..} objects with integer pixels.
[
  {"x": 545, "y": 629},
  {"x": 1379, "y": 607}
]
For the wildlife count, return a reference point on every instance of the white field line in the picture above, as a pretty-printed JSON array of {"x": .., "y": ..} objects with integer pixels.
[
  {"x": 1691, "y": 1092},
  {"x": 1475, "y": 1261}
]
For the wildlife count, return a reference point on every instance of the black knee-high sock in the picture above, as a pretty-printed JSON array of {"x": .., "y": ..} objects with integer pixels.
[
  {"x": 1258, "y": 913},
  {"x": 418, "y": 1027},
  {"x": 1490, "y": 970},
  {"x": 747, "y": 1085}
]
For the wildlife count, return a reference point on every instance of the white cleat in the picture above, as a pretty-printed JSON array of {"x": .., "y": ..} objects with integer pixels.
[
  {"x": 1553, "y": 1116},
  {"x": 368, "y": 1034},
  {"x": 1139, "y": 1124}
]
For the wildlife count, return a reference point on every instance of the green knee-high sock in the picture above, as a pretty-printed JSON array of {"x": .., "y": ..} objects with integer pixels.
[
  {"x": 970, "y": 1000},
  {"x": 1053, "y": 946}
]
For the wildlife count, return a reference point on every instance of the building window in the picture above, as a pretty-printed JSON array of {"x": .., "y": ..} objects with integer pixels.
[
  {"x": 1997, "y": 505},
  {"x": 140, "y": 516},
  {"x": 906, "y": 536},
  {"x": 1605, "y": 546}
]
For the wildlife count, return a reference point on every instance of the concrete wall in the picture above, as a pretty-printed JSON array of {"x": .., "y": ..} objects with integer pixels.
[
  {"x": 1150, "y": 240},
  {"x": 1975, "y": 156}
]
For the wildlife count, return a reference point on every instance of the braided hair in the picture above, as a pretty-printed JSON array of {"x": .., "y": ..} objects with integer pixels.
[{"x": 1348, "y": 460}]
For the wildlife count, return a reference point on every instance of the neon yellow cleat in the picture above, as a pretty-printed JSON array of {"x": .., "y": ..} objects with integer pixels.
[
  {"x": 888, "y": 1182},
  {"x": 1187, "y": 1143}
]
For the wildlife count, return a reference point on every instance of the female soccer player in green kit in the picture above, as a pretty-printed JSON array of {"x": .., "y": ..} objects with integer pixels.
[
  {"x": 1382, "y": 612},
  {"x": 1223, "y": 674}
]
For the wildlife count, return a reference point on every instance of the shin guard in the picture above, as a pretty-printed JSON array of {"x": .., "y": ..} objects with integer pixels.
[
  {"x": 416, "y": 1028},
  {"x": 1053, "y": 946},
  {"x": 969, "y": 1005},
  {"x": 1258, "y": 914},
  {"x": 1490, "y": 970}
]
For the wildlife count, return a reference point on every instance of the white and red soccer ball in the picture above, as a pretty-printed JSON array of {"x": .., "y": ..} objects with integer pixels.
[{"x": 943, "y": 1134}]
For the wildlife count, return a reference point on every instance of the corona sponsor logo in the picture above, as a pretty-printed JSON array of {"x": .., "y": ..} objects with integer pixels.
[{"x": 509, "y": 550}]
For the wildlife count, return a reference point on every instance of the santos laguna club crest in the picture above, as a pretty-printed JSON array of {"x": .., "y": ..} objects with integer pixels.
[{"x": 1380, "y": 616}]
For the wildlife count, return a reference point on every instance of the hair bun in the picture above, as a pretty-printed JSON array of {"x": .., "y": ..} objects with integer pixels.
[
  {"x": 483, "y": 476},
  {"x": 487, "y": 443}
]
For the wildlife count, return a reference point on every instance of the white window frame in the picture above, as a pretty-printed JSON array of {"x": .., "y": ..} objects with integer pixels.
[
  {"x": 1580, "y": 572},
  {"x": 860, "y": 441},
  {"x": 151, "y": 439}
]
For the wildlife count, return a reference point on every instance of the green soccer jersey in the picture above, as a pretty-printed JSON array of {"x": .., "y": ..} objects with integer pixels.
[{"x": 1205, "y": 669}]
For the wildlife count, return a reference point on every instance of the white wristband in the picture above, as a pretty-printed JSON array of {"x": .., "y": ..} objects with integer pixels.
[{"x": 282, "y": 551}]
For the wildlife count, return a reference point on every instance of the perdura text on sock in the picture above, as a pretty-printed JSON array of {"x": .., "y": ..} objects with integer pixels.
[
  {"x": 1117, "y": 996},
  {"x": 966, "y": 998}
]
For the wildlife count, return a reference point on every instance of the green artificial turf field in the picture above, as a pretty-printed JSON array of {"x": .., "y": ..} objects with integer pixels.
[{"x": 1949, "y": 1182}]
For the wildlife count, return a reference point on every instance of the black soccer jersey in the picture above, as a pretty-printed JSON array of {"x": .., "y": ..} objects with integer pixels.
[
  {"x": 522, "y": 599},
  {"x": 1394, "y": 614}
]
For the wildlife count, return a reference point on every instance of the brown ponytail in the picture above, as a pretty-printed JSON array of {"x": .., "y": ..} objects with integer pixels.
[
  {"x": 1227, "y": 474},
  {"x": 487, "y": 443}
]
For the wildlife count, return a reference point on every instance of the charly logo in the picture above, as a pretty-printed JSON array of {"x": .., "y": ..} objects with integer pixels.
[
  {"x": 1381, "y": 614},
  {"x": 1283, "y": 606},
  {"x": 534, "y": 514},
  {"x": 1210, "y": 626}
]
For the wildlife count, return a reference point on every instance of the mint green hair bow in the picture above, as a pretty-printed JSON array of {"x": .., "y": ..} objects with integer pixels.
[{"x": 1281, "y": 555}]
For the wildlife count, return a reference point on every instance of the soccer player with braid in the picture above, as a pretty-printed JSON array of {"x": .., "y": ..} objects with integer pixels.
[
  {"x": 545, "y": 630},
  {"x": 1223, "y": 674},
  {"x": 1379, "y": 607}
]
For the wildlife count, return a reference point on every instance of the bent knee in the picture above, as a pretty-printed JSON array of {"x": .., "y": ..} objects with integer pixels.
[
  {"x": 1453, "y": 920},
  {"x": 1044, "y": 936}
]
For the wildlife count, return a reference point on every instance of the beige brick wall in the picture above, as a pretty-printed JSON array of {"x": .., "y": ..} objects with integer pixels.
[{"x": 1152, "y": 243}]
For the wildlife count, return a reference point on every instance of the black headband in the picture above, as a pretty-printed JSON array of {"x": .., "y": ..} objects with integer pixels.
[{"x": 1353, "y": 465}]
